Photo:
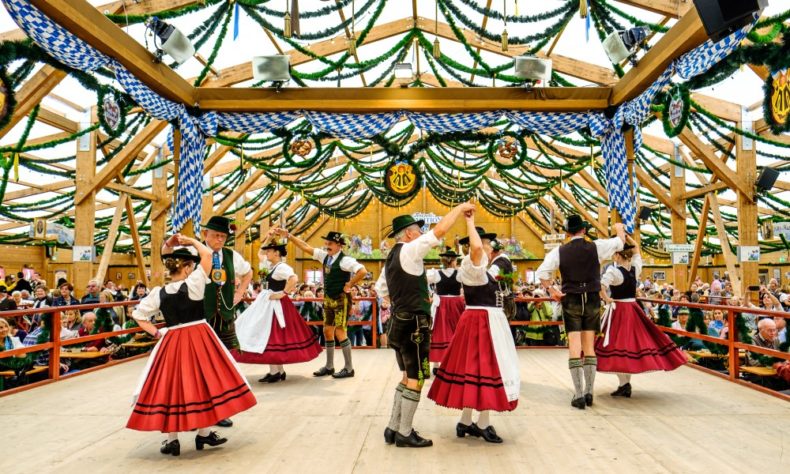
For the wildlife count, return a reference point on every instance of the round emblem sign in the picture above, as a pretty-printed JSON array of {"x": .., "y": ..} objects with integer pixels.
[
  {"x": 778, "y": 101},
  {"x": 6, "y": 99},
  {"x": 676, "y": 110},
  {"x": 401, "y": 179},
  {"x": 111, "y": 114}
]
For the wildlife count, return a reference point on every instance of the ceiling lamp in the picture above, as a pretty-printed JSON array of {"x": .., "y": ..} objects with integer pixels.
[
  {"x": 172, "y": 42},
  {"x": 274, "y": 69},
  {"x": 536, "y": 71},
  {"x": 404, "y": 73},
  {"x": 621, "y": 45}
]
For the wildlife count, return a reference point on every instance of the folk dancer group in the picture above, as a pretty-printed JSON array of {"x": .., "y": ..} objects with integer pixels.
[{"x": 465, "y": 332}]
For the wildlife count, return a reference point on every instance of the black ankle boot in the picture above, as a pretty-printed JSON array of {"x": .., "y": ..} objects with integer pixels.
[
  {"x": 173, "y": 448},
  {"x": 623, "y": 391},
  {"x": 588, "y": 399},
  {"x": 578, "y": 403},
  {"x": 212, "y": 439}
]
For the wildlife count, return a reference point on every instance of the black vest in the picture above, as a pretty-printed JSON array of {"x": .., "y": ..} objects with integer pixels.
[
  {"x": 579, "y": 267},
  {"x": 177, "y": 308},
  {"x": 483, "y": 295},
  {"x": 275, "y": 285},
  {"x": 335, "y": 278},
  {"x": 448, "y": 285},
  {"x": 408, "y": 293},
  {"x": 503, "y": 263},
  {"x": 627, "y": 289}
]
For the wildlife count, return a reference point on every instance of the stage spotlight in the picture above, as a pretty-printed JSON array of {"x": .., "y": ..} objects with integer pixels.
[
  {"x": 276, "y": 69},
  {"x": 620, "y": 45},
  {"x": 766, "y": 179},
  {"x": 724, "y": 17},
  {"x": 404, "y": 73},
  {"x": 645, "y": 213},
  {"x": 172, "y": 41},
  {"x": 536, "y": 71}
]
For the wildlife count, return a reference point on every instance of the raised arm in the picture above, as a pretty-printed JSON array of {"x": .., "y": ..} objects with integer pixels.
[
  {"x": 475, "y": 243},
  {"x": 447, "y": 221},
  {"x": 296, "y": 240},
  {"x": 203, "y": 252}
]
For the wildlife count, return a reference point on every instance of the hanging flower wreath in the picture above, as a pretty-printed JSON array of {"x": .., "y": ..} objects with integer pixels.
[
  {"x": 110, "y": 110},
  {"x": 303, "y": 146},
  {"x": 776, "y": 105},
  {"x": 7, "y": 102},
  {"x": 677, "y": 106},
  {"x": 510, "y": 147}
]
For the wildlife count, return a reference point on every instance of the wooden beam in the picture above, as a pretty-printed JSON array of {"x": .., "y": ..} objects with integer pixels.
[
  {"x": 658, "y": 191},
  {"x": 746, "y": 166},
  {"x": 132, "y": 191},
  {"x": 348, "y": 35},
  {"x": 350, "y": 99},
  {"x": 682, "y": 37},
  {"x": 703, "y": 152},
  {"x": 31, "y": 94},
  {"x": 85, "y": 210},
  {"x": 707, "y": 188},
  {"x": 138, "y": 249},
  {"x": 87, "y": 23},
  {"x": 112, "y": 237},
  {"x": 57, "y": 119},
  {"x": 729, "y": 258},
  {"x": 482, "y": 26},
  {"x": 263, "y": 208},
  {"x": 701, "y": 232},
  {"x": 568, "y": 197},
  {"x": 239, "y": 191},
  {"x": 158, "y": 225},
  {"x": 119, "y": 162},
  {"x": 677, "y": 184}
]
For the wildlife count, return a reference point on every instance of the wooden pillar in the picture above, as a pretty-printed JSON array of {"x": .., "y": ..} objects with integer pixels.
[
  {"x": 746, "y": 168},
  {"x": 631, "y": 156},
  {"x": 677, "y": 186},
  {"x": 158, "y": 224},
  {"x": 240, "y": 239},
  {"x": 603, "y": 218},
  {"x": 207, "y": 208},
  {"x": 85, "y": 211}
]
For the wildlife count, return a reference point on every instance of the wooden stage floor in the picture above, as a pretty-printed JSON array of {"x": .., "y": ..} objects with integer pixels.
[{"x": 683, "y": 421}]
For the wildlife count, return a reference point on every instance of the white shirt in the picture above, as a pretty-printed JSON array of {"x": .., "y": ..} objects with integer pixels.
[
  {"x": 240, "y": 266},
  {"x": 347, "y": 264},
  {"x": 410, "y": 258},
  {"x": 494, "y": 269},
  {"x": 433, "y": 274},
  {"x": 474, "y": 275},
  {"x": 282, "y": 271},
  {"x": 606, "y": 249},
  {"x": 614, "y": 277},
  {"x": 196, "y": 286}
]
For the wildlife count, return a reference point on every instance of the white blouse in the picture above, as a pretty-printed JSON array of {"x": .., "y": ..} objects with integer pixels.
[
  {"x": 282, "y": 271},
  {"x": 613, "y": 277},
  {"x": 196, "y": 285},
  {"x": 473, "y": 275},
  {"x": 433, "y": 274}
]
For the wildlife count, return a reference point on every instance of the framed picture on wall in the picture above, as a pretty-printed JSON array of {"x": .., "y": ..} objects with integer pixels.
[
  {"x": 659, "y": 276},
  {"x": 716, "y": 274},
  {"x": 118, "y": 276},
  {"x": 131, "y": 275},
  {"x": 778, "y": 275}
]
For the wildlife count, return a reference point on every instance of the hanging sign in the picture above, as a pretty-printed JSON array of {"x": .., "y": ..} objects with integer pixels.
[
  {"x": 776, "y": 106},
  {"x": 110, "y": 112},
  {"x": 6, "y": 99},
  {"x": 679, "y": 248},
  {"x": 676, "y": 110},
  {"x": 401, "y": 179}
]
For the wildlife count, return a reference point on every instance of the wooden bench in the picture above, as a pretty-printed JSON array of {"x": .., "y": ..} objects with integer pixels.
[
  {"x": 760, "y": 371},
  {"x": 138, "y": 345},
  {"x": 84, "y": 355},
  {"x": 5, "y": 374}
]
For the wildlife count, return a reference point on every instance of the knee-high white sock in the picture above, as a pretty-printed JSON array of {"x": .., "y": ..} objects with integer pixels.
[
  {"x": 577, "y": 375},
  {"x": 172, "y": 437},
  {"x": 272, "y": 369},
  {"x": 394, "y": 423},
  {"x": 623, "y": 378},
  {"x": 484, "y": 421},
  {"x": 346, "y": 345},
  {"x": 590, "y": 365},
  {"x": 330, "y": 354},
  {"x": 466, "y": 416},
  {"x": 409, "y": 402}
]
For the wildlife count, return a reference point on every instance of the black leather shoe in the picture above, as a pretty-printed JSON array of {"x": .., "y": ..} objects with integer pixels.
[
  {"x": 623, "y": 391},
  {"x": 323, "y": 371},
  {"x": 588, "y": 399},
  {"x": 268, "y": 378},
  {"x": 462, "y": 430},
  {"x": 226, "y": 423},
  {"x": 488, "y": 434},
  {"x": 412, "y": 441},
  {"x": 172, "y": 448},
  {"x": 578, "y": 403},
  {"x": 344, "y": 374},
  {"x": 389, "y": 435},
  {"x": 276, "y": 377},
  {"x": 212, "y": 439}
]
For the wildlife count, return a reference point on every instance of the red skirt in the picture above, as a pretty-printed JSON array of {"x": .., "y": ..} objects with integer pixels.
[
  {"x": 294, "y": 343},
  {"x": 447, "y": 315},
  {"x": 469, "y": 375},
  {"x": 636, "y": 345},
  {"x": 192, "y": 383}
]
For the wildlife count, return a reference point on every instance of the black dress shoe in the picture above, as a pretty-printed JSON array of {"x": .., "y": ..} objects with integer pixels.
[
  {"x": 172, "y": 448},
  {"x": 276, "y": 377},
  {"x": 226, "y": 423},
  {"x": 488, "y": 434},
  {"x": 323, "y": 371},
  {"x": 212, "y": 439},
  {"x": 412, "y": 441},
  {"x": 462, "y": 430},
  {"x": 623, "y": 391},
  {"x": 268, "y": 378},
  {"x": 588, "y": 399},
  {"x": 389, "y": 435},
  {"x": 344, "y": 374},
  {"x": 578, "y": 403}
]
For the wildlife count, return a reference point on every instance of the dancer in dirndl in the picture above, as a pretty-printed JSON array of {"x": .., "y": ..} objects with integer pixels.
[
  {"x": 271, "y": 330},
  {"x": 190, "y": 381},
  {"x": 480, "y": 369},
  {"x": 448, "y": 304},
  {"x": 631, "y": 343}
]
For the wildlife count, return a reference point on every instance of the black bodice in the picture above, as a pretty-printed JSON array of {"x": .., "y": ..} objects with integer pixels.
[
  {"x": 627, "y": 289},
  {"x": 275, "y": 285},
  {"x": 177, "y": 308},
  {"x": 482, "y": 295},
  {"x": 448, "y": 285}
]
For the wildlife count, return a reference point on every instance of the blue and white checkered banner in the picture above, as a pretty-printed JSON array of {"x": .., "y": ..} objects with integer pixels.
[
  {"x": 706, "y": 55},
  {"x": 448, "y": 123},
  {"x": 353, "y": 126},
  {"x": 548, "y": 123},
  {"x": 255, "y": 122},
  {"x": 54, "y": 39}
]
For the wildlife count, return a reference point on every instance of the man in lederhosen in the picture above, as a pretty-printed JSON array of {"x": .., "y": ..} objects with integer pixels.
[
  {"x": 341, "y": 273},
  {"x": 230, "y": 276},
  {"x": 579, "y": 262},
  {"x": 404, "y": 281}
]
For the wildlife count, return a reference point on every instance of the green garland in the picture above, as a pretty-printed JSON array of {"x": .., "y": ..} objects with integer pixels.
[
  {"x": 676, "y": 92},
  {"x": 103, "y": 92},
  {"x": 7, "y": 89}
]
